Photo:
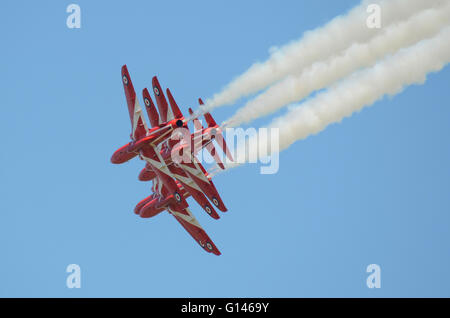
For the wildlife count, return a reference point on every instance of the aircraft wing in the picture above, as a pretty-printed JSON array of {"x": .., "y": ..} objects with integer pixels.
[
  {"x": 198, "y": 174},
  {"x": 190, "y": 224},
  {"x": 191, "y": 187},
  {"x": 163, "y": 173}
]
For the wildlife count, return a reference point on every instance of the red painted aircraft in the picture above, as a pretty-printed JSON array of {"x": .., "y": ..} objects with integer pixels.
[{"x": 173, "y": 181}]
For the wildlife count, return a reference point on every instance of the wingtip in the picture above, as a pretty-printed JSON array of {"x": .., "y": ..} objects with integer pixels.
[
  {"x": 124, "y": 70},
  {"x": 214, "y": 249},
  {"x": 145, "y": 93},
  {"x": 215, "y": 216}
]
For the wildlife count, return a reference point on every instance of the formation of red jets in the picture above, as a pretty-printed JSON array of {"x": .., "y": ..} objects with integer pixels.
[{"x": 173, "y": 180}]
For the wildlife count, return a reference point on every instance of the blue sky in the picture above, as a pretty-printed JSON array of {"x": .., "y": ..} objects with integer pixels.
[{"x": 372, "y": 189}]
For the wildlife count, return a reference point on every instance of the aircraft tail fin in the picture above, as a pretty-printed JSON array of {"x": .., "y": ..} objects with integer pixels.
[
  {"x": 210, "y": 147},
  {"x": 138, "y": 125},
  {"x": 151, "y": 109},
  {"x": 197, "y": 124},
  {"x": 209, "y": 119},
  {"x": 218, "y": 136},
  {"x": 173, "y": 104},
  {"x": 164, "y": 111}
]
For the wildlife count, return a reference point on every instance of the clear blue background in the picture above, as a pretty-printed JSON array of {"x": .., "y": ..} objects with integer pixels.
[{"x": 373, "y": 189}]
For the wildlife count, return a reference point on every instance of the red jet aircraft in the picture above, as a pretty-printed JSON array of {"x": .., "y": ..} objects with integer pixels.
[{"x": 173, "y": 181}]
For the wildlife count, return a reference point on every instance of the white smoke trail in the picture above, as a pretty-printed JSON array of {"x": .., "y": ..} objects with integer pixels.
[
  {"x": 388, "y": 77},
  {"x": 317, "y": 45},
  {"x": 321, "y": 74}
]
